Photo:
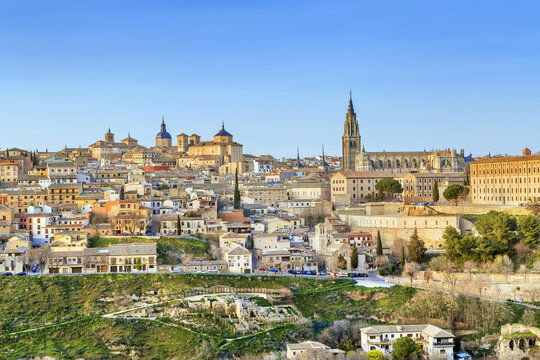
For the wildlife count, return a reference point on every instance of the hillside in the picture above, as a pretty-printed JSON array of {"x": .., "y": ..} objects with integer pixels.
[
  {"x": 170, "y": 249},
  {"x": 63, "y": 316}
]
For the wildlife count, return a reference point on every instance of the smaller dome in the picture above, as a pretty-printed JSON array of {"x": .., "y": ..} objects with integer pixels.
[
  {"x": 163, "y": 134},
  {"x": 223, "y": 132}
]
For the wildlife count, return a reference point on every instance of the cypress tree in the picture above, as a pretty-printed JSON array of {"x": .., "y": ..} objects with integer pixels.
[
  {"x": 354, "y": 257},
  {"x": 435, "y": 191},
  {"x": 178, "y": 226},
  {"x": 417, "y": 248},
  {"x": 236, "y": 199},
  {"x": 379, "y": 244},
  {"x": 402, "y": 257}
]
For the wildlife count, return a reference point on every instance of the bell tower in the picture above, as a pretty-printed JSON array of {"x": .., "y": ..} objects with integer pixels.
[{"x": 350, "y": 139}]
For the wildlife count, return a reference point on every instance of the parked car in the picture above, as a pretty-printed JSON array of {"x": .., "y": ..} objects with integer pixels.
[
  {"x": 213, "y": 270},
  {"x": 364, "y": 275},
  {"x": 273, "y": 269},
  {"x": 261, "y": 268},
  {"x": 176, "y": 271},
  {"x": 7, "y": 274},
  {"x": 295, "y": 272},
  {"x": 322, "y": 272},
  {"x": 202, "y": 272},
  {"x": 22, "y": 273},
  {"x": 353, "y": 274},
  {"x": 341, "y": 274},
  {"x": 120, "y": 234}
]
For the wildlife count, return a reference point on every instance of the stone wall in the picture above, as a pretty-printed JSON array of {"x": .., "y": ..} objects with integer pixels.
[
  {"x": 396, "y": 227},
  {"x": 480, "y": 209},
  {"x": 501, "y": 287}
]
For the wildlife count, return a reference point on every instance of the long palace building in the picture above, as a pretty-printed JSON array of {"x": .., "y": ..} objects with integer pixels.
[{"x": 506, "y": 180}]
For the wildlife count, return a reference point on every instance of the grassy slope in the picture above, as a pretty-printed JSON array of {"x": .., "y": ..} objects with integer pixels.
[
  {"x": 165, "y": 245},
  {"x": 31, "y": 302}
]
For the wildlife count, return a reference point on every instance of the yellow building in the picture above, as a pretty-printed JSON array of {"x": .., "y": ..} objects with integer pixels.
[
  {"x": 222, "y": 146},
  {"x": 506, "y": 180}
]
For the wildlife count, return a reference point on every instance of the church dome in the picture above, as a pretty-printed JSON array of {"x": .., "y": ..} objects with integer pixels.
[
  {"x": 223, "y": 132},
  {"x": 163, "y": 134}
]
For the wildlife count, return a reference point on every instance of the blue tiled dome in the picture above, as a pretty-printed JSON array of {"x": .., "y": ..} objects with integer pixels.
[
  {"x": 223, "y": 132},
  {"x": 163, "y": 134}
]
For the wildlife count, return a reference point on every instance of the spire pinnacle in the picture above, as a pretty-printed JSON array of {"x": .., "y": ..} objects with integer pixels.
[
  {"x": 163, "y": 119},
  {"x": 351, "y": 107},
  {"x": 222, "y": 125}
]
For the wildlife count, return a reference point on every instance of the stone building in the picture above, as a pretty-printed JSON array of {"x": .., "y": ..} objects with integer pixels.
[
  {"x": 353, "y": 187},
  {"x": 518, "y": 342},
  {"x": 356, "y": 158},
  {"x": 506, "y": 180}
]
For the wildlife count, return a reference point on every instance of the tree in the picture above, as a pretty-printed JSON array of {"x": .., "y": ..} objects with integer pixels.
[
  {"x": 236, "y": 199},
  {"x": 530, "y": 227},
  {"x": 354, "y": 257},
  {"x": 402, "y": 262},
  {"x": 379, "y": 244},
  {"x": 410, "y": 270},
  {"x": 178, "y": 226},
  {"x": 375, "y": 355},
  {"x": 500, "y": 229},
  {"x": 403, "y": 348},
  {"x": 417, "y": 248},
  {"x": 341, "y": 262},
  {"x": 467, "y": 180},
  {"x": 389, "y": 185},
  {"x": 436, "y": 191},
  {"x": 39, "y": 255},
  {"x": 456, "y": 193},
  {"x": 138, "y": 264}
]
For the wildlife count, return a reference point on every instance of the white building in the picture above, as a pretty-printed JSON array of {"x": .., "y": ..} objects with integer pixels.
[
  {"x": 434, "y": 341},
  {"x": 261, "y": 167},
  {"x": 239, "y": 259},
  {"x": 277, "y": 240},
  {"x": 309, "y": 349}
]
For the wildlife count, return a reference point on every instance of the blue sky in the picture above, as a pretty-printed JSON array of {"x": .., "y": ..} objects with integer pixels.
[{"x": 424, "y": 74}]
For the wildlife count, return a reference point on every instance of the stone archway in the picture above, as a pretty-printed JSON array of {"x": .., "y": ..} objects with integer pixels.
[
  {"x": 521, "y": 343},
  {"x": 511, "y": 344}
]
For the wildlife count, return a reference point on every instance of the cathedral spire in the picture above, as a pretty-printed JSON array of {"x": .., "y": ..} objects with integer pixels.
[{"x": 351, "y": 107}]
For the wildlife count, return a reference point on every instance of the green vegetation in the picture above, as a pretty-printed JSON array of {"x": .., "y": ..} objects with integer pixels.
[
  {"x": 500, "y": 235},
  {"x": 417, "y": 248},
  {"x": 260, "y": 301},
  {"x": 236, "y": 196},
  {"x": 388, "y": 185},
  {"x": 67, "y": 315},
  {"x": 379, "y": 244},
  {"x": 456, "y": 193},
  {"x": 435, "y": 191},
  {"x": 403, "y": 348},
  {"x": 170, "y": 250},
  {"x": 354, "y": 257}
]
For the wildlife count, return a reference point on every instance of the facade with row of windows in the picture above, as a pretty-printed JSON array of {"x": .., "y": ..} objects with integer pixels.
[{"x": 506, "y": 180}]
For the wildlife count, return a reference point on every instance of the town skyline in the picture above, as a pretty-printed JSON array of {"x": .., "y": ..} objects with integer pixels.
[{"x": 435, "y": 75}]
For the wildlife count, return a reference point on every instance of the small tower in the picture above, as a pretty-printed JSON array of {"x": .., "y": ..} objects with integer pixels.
[
  {"x": 350, "y": 139},
  {"x": 109, "y": 137},
  {"x": 163, "y": 138},
  {"x": 298, "y": 162},
  {"x": 526, "y": 152}
]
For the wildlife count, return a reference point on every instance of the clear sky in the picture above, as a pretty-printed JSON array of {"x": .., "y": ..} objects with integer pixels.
[{"x": 424, "y": 74}]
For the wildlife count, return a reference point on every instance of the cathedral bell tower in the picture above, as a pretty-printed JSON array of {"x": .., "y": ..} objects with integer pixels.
[{"x": 350, "y": 139}]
